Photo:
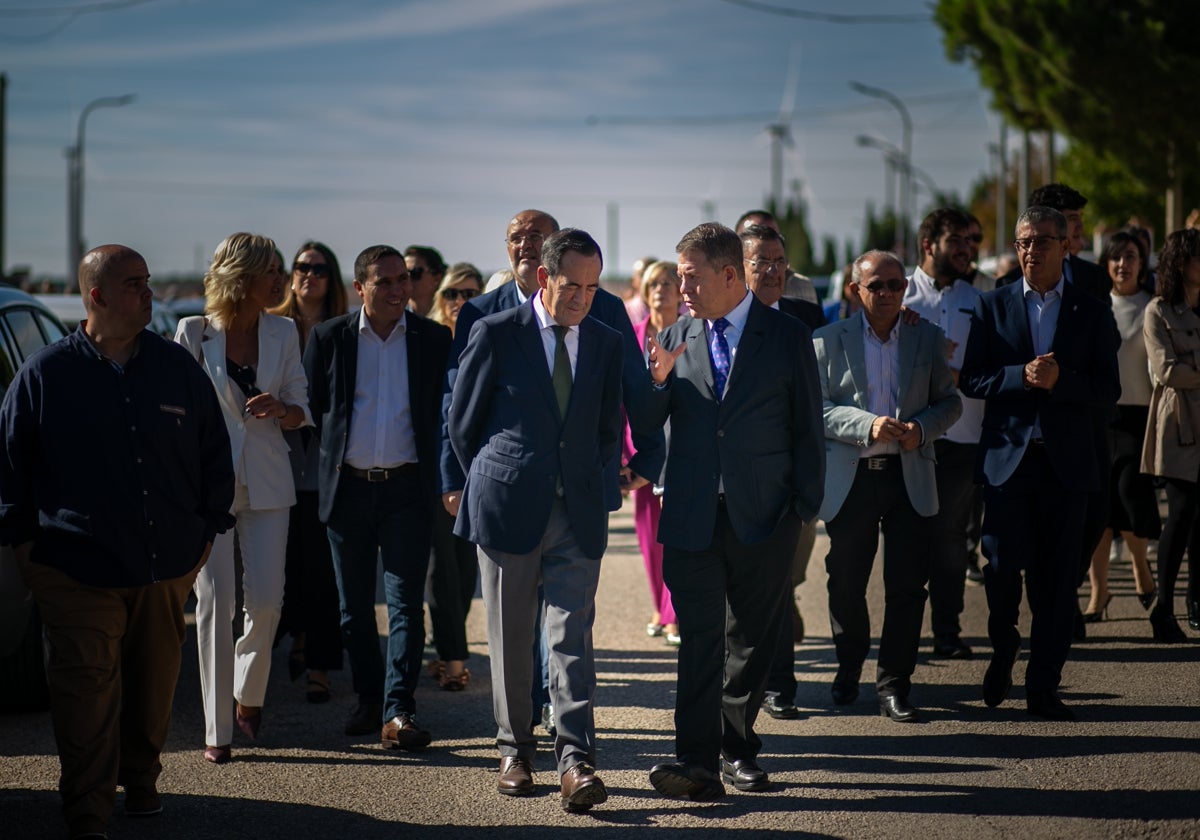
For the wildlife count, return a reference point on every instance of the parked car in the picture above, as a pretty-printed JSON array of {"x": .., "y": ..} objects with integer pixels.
[
  {"x": 26, "y": 325},
  {"x": 70, "y": 310}
]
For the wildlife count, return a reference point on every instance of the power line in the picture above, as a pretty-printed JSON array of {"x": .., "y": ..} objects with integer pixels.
[
  {"x": 68, "y": 13},
  {"x": 827, "y": 17}
]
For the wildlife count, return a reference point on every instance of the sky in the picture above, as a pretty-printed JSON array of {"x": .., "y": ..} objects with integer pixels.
[{"x": 434, "y": 121}]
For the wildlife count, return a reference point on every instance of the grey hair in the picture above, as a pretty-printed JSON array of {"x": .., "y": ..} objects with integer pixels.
[
  {"x": 874, "y": 257},
  {"x": 1040, "y": 213}
]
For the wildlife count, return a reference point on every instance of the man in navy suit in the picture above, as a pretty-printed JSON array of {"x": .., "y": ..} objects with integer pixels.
[
  {"x": 1043, "y": 355},
  {"x": 745, "y": 471},
  {"x": 534, "y": 416},
  {"x": 374, "y": 379}
]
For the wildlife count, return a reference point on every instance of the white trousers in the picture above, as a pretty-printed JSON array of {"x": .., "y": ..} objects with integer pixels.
[{"x": 229, "y": 672}]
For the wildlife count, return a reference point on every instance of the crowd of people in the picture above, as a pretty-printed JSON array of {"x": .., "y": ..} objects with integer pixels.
[{"x": 468, "y": 437}]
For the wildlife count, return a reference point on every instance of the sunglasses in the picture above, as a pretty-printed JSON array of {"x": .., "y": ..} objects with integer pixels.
[
  {"x": 315, "y": 269},
  {"x": 879, "y": 286},
  {"x": 455, "y": 294}
]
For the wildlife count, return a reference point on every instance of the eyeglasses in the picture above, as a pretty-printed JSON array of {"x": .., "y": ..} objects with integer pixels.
[
  {"x": 315, "y": 269},
  {"x": 767, "y": 265},
  {"x": 975, "y": 237},
  {"x": 1041, "y": 243},
  {"x": 534, "y": 239},
  {"x": 878, "y": 286},
  {"x": 455, "y": 294}
]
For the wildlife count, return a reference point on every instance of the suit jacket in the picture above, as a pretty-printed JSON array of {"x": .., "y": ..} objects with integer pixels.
[
  {"x": 331, "y": 361},
  {"x": 606, "y": 308},
  {"x": 260, "y": 454},
  {"x": 927, "y": 395},
  {"x": 764, "y": 439},
  {"x": 810, "y": 314},
  {"x": 505, "y": 428},
  {"x": 999, "y": 346}
]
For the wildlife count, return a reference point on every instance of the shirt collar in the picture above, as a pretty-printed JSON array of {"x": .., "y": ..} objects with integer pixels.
[
  {"x": 868, "y": 332},
  {"x": 364, "y": 326},
  {"x": 928, "y": 283},
  {"x": 738, "y": 315},
  {"x": 1057, "y": 290},
  {"x": 545, "y": 321}
]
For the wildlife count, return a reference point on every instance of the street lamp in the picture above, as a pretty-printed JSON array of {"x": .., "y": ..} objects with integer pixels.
[
  {"x": 906, "y": 151},
  {"x": 75, "y": 185},
  {"x": 895, "y": 159}
]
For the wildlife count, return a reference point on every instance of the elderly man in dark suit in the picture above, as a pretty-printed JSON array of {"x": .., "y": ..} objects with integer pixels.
[
  {"x": 1043, "y": 356},
  {"x": 534, "y": 415},
  {"x": 745, "y": 471},
  {"x": 374, "y": 379}
]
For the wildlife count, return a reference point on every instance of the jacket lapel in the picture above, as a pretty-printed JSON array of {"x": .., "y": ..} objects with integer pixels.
[
  {"x": 910, "y": 340},
  {"x": 697, "y": 353},
  {"x": 856, "y": 357},
  {"x": 1019, "y": 316},
  {"x": 349, "y": 363},
  {"x": 529, "y": 339},
  {"x": 212, "y": 345},
  {"x": 748, "y": 346},
  {"x": 270, "y": 351}
]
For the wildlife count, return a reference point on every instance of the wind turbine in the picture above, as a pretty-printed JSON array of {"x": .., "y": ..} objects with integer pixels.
[{"x": 780, "y": 131}]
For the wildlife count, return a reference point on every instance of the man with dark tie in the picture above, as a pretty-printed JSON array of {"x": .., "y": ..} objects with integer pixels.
[
  {"x": 1042, "y": 353},
  {"x": 374, "y": 379},
  {"x": 534, "y": 416},
  {"x": 745, "y": 471}
]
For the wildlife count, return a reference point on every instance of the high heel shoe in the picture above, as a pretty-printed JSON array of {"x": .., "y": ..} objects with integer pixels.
[
  {"x": 1166, "y": 628},
  {"x": 1100, "y": 614},
  {"x": 1147, "y": 598}
]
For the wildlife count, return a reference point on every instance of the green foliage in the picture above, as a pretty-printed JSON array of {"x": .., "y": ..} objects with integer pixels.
[
  {"x": 879, "y": 232},
  {"x": 793, "y": 224}
]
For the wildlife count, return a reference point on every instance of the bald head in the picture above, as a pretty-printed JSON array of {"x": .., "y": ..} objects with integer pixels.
[
  {"x": 115, "y": 284},
  {"x": 105, "y": 263}
]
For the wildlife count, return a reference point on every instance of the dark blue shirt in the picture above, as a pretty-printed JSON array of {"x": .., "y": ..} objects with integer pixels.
[{"x": 118, "y": 475}]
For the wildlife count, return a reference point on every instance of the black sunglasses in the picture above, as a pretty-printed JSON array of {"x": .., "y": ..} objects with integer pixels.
[
  {"x": 315, "y": 269},
  {"x": 891, "y": 285},
  {"x": 455, "y": 294}
]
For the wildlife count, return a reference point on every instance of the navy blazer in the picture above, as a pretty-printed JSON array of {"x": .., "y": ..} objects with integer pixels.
[
  {"x": 609, "y": 310},
  {"x": 512, "y": 445},
  {"x": 1000, "y": 345},
  {"x": 331, "y": 363},
  {"x": 765, "y": 439}
]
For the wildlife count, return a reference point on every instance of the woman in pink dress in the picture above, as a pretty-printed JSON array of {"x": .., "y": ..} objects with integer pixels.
[{"x": 660, "y": 289}]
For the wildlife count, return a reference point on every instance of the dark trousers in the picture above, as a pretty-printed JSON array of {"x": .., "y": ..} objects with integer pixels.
[
  {"x": 781, "y": 678},
  {"x": 955, "y": 487},
  {"x": 388, "y": 520},
  {"x": 728, "y": 599},
  {"x": 310, "y": 593},
  {"x": 1180, "y": 533},
  {"x": 452, "y": 578},
  {"x": 114, "y": 662},
  {"x": 878, "y": 498},
  {"x": 1033, "y": 524}
]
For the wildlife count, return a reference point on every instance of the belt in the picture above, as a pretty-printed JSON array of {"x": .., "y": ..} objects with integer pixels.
[
  {"x": 378, "y": 474},
  {"x": 880, "y": 462}
]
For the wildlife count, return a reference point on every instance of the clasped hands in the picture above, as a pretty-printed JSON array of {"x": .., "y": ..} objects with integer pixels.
[
  {"x": 1042, "y": 372},
  {"x": 889, "y": 430}
]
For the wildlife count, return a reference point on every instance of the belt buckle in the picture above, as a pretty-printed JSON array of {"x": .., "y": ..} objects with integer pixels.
[
  {"x": 376, "y": 475},
  {"x": 877, "y": 463}
]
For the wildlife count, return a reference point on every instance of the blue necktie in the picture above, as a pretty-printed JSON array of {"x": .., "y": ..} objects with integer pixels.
[{"x": 719, "y": 348}]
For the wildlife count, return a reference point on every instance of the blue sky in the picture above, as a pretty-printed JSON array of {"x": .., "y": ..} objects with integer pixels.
[{"x": 434, "y": 121}]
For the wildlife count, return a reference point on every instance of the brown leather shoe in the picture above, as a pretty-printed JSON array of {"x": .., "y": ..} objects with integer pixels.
[
  {"x": 516, "y": 776},
  {"x": 402, "y": 733},
  {"x": 582, "y": 788}
]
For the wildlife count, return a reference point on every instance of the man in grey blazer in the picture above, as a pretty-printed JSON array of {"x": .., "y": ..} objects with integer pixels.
[
  {"x": 888, "y": 395},
  {"x": 745, "y": 471},
  {"x": 533, "y": 418}
]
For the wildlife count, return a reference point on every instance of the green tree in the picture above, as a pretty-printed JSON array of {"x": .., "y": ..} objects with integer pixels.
[{"x": 1114, "y": 77}]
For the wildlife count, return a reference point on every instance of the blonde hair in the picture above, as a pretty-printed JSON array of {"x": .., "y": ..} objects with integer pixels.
[
  {"x": 456, "y": 274},
  {"x": 239, "y": 257},
  {"x": 650, "y": 272}
]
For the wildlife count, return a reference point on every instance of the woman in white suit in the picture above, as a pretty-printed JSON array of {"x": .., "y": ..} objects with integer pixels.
[{"x": 253, "y": 360}]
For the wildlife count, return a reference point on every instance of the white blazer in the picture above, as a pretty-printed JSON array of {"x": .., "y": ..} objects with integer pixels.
[{"x": 260, "y": 454}]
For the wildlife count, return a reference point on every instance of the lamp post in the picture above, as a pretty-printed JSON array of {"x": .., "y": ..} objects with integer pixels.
[
  {"x": 75, "y": 184},
  {"x": 906, "y": 150},
  {"x": 894, "y": 163}
]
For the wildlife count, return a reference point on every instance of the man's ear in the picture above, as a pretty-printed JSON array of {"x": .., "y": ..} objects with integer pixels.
[
  {"x": 543, "y": 276},
  {"x": 95, "y": 297}
]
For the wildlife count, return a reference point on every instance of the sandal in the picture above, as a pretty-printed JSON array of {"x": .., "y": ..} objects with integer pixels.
[
  {"x": 318, "y": 692},
  {"x": 436, "y": 669},
  {"x": 456, "y": 682}
]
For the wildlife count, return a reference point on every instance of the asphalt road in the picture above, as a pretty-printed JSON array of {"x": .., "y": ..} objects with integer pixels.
[{"x": 1130, "y": 767}]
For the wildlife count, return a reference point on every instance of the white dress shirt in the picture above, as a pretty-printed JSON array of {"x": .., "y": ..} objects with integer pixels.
[
  {"x": 882, "y": 359},
  {"x": 546, "y": 325},
  {"x": 381, "y": 429}
]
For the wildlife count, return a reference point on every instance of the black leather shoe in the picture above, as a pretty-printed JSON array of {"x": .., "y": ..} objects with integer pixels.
[
  {"x": 779, "y": 707},
  {"x": 365, "y": 719},
  {"x": 997, "y": 681},
  {"x": 1047, "y": 705},
  {"x": 680, "y": 780},
  {"x": 582, "y": 788},
  {"x": 952, "y": 647},
  {"x": 548, "y": 720},
  {"x": 1193, "y": 613},
  {"x": 744, "y": 774},
  {"x": 845, "y": 686},
  {"x": 896, "y": 707}
]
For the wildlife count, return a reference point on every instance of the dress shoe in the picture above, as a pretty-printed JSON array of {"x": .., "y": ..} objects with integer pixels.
[
  {"x": 997, "y": 680},
  {"x": 516, "y": 776},
  {"x": 402, "y": 733},
  {"x": 1194, "y": 614},
  {"x": 1147, "y": 598},
  {"x": 582, "y": 788},
  {"x": 952, "y": 647},
  {"x": 744, "y": 774},
  {"x": 680, "y": 780},
  {"x": 1098, "y": 615},
  {"x": 1047, "y": 705},
  {"x": 364, "y": 720},
  {"x": 1166, "y": 628},
  {"x": 142, "y": 802},
  {"x": 845, "y": 686},
  {"x": 248, "y": 720},
  {"x": 896, "y": 707},
  {"x": 218, "y": 755},
  {"x": 779, "y": 707},
  {"x": 548, "y": 720}
]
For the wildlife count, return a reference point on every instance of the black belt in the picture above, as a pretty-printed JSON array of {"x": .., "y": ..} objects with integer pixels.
[
  {"x": 876, "y": 463},
  {"x": 378, "y": 474}
]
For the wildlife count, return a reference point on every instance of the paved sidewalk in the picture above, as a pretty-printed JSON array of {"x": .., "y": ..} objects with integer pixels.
[{"x": 1129, "y": 768}]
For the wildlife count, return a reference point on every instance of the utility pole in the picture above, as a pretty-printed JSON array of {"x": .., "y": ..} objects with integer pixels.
[
  {"x": 75, "y": 186},
  {"x": 611, "y": 258},
  {"x": 3, "y": 178}
]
